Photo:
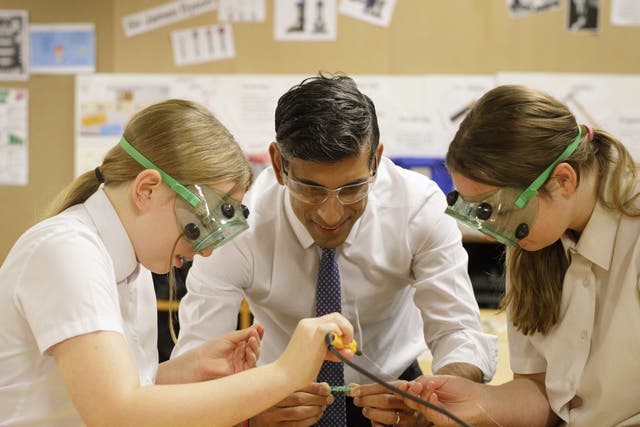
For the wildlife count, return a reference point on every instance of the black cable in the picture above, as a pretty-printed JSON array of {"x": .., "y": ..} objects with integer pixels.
[{"x": 332, "y": 349}]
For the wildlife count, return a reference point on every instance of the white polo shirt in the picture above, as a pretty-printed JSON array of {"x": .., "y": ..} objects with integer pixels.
[
  {"x": 69, "y": 275},
  {"x": 594, "y": 350}
]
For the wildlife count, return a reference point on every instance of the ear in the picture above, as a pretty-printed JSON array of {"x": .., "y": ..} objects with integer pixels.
[
  {"x": 379, "y": 151},
  {"x": 566, "y": 178},
  {"x": 276, "y": 162},
  {"x": 144, "y": 185}
]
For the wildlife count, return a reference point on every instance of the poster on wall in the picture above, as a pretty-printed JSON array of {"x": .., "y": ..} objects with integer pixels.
[
  {"x": 376, "y": 12},
  {"x": 62, "y": 48},
  {"x": 245, "y": 104},
  {"x": 14, "y": 45},
  {"x": 519, "y": 8},
  {"x": 582, "y": 15},
  {"x": 603, "y": 101},
  {"x": 625, "y": 12},
  {"x": 202, "y": 44},
  {"x": 14, "y": 125},
  {"x": 241, "y": 10},
  {"x": 305, "y": 20},
  {"x": 165, "y": 14}
]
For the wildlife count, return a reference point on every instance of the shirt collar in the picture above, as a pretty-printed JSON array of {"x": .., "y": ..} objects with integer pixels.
[
  {"x": 598, "y": 238},
  {"x": 113, "y": 234}
]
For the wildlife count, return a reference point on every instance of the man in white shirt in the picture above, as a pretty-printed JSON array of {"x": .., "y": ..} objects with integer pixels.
[{"x": 403, "y": 270}]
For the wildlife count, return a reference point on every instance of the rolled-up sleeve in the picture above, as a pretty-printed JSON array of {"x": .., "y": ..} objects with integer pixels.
[{"x": 444, "y": 294}]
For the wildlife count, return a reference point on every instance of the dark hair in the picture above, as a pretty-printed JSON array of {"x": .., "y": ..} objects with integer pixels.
[
  {"x": 326, "y": 118},
  {"x": 507, "y": 139}
]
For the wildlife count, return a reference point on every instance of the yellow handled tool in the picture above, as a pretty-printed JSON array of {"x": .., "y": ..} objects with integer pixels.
[{"x": 338, "y": 344}]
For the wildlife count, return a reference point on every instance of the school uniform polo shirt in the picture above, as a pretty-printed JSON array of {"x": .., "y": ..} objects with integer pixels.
[
  {"x": 593, "y": 350},
  {"x": 72, "y": 274}
]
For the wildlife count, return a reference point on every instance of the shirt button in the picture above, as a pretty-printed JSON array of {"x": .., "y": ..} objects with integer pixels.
[
  {"x": 583, "y": 334},
  {"x": 586, "y": 282}
]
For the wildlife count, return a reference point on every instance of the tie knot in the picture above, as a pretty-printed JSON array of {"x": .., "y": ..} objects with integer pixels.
[{"x": 328, "y": 251}]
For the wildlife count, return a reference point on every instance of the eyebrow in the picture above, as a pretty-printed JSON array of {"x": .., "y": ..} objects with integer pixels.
[
  {"x": 479, "y": 197},
  {"x": 309, "y": 182}
]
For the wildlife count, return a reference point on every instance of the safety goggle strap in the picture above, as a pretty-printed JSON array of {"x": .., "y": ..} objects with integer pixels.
[
  {"x": 533, "y": 188},
  {"x": 183, "y": 191}
]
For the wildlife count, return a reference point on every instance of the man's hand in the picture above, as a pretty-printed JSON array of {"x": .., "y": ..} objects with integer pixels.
[
  {"x": 383, "y": 407},
  {"x": 300, "y": 409}
]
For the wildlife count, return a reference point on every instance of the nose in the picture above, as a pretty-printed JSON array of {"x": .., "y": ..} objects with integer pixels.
[
  {"x": 207, "y": 252},
  {"x": 331, "y": 210}
]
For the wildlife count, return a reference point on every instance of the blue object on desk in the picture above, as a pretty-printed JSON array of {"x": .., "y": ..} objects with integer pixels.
[{"x": 431, "y": 166}]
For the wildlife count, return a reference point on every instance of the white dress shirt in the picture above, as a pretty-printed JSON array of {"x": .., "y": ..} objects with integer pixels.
[
  {"x": 593, "y": 351},
  {"x": 69, "y": 275},
  {"x": 402, "y": 263}
]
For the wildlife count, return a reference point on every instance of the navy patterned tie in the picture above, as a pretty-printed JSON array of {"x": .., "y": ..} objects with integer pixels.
[{"x": 328, "y": 301}]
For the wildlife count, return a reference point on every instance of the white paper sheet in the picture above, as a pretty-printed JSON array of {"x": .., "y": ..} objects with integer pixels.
[
  {"x": 305, "y": 20},
  {"x": 376, "y": 12},
  {"x": 203, "y": 44},
  {"x": 604, "y": 101},
  {"x": 62, "y": 48},
  {"x": 625, "y": 12},
  {"x": 14, "y": 45},
  {"x": 165, "y": 14},
  {"x": 241, "y": 10},
  {"x": 520, "y": 8},
  {"x": 14, "y": 125}
]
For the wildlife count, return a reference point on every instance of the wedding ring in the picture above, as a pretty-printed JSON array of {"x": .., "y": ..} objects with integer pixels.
[{"x": 397, "y": 418}]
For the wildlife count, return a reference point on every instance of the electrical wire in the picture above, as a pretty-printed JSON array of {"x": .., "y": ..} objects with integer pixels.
[{"x": 332, "y": 349}]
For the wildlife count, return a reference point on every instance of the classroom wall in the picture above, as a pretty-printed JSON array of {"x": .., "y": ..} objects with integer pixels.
[{"x": 425, "y": 36}]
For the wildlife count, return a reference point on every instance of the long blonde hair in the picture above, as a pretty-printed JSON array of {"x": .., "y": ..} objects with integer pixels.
[
  {"x": 507, "y": 139},
  {"x": 180, "y": 137}
]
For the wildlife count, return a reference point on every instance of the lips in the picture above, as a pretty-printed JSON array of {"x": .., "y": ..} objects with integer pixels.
[{"x": 179, "y": 261}]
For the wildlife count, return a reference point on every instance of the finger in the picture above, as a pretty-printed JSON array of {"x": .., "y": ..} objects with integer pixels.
[
  {"x": 381, "y": 401},
  {"x": 252, "y": 352},
  {"x": 254, "y": 345},
  {"x": 301, "y": 398},
  {"x": 250, "y": 358},
  {"x": 245, "y": 334},
  {"x": 259, "y": 329},
  {"x": 338, "y": 324},
  {"x": 376, "y": 389},
  {"x": 388, "y": 417},
  {"x": 238, "y": 357},
  {"x": 367, "y": 389},
  {"x": 297, "y": 415}
]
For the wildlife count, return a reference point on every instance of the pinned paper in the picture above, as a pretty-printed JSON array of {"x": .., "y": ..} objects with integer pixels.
[
  {"x": 519, "y": 8},
  {"x": 14, "y": 153},
  {"x": 164, "y": 15},
  {"x": 305, "y": 20},
  {"x": 203, "y": 44},
  {"x": 62, "y": 48},
  {"x": 241, "y": 10},
  {"x": 14, "y": 45},
  {"x": 376, "y": 12}
]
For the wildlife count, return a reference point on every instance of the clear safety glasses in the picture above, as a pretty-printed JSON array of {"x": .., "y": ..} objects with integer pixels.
[
  {"x": 496, "y": 215},
  {"x": 507, "y": 213},
  {"x": 206, "y": 217},
  {"x": 317, "y": 194}
]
